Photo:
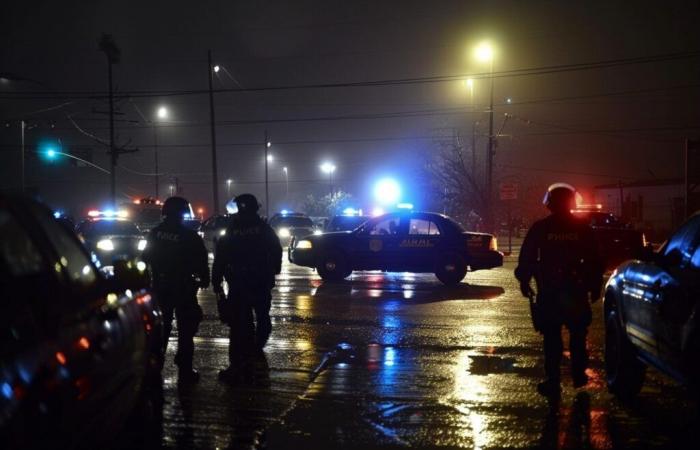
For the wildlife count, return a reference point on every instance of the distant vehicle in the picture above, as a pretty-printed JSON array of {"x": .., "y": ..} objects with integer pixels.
[
  {"x": 291, "y": 225},
  {"x": 144, "y": 212},
  {"x": 400, "y": 241},
  {"x": 617, "y": 241},
  {"x": 111, "y": 237},
  {"x": 76, "y": 348},
  {"x": 345, "y": 222},
  {"x": 652, "y": 315},
  {"x": 214, "y": 228}
]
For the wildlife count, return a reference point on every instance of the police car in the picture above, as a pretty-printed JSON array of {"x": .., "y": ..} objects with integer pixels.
[
  {"x": 652, "y": 314},
  {"x": 111, "y": 236},
  {"x": 400, "y": 241},
  {"x": 291, "y": 225},
  {"x": 76, "y": 348}
]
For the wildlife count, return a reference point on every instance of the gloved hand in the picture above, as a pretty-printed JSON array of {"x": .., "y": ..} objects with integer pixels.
[{"x": 526, "y": 290}]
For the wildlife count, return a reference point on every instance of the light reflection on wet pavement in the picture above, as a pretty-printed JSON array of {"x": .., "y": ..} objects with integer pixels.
[{"x": 395, "y": 360}]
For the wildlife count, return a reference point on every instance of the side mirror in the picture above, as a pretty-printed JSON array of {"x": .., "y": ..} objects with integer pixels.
[{"x": 131, "y": 274}]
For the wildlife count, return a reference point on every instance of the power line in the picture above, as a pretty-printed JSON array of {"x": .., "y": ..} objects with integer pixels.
[{"x": 543, "y": 70}]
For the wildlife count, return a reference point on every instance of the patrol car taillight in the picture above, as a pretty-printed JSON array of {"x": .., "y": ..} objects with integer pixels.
[{"x": 493, "y": 244}]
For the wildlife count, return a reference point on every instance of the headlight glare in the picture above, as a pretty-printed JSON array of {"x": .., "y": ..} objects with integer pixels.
[
  {"x": 106, "y": 245},
  {"x": 304, "y": 245},
  {"x": 142, "y": 244}
]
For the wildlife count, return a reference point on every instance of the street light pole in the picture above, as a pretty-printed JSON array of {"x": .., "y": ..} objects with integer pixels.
[
  {"x": 212, "y": 118},
  {"x": 266, "y": 145},
  {"x": 286, "y": 181},
  {"x": 155, "y": 147},
  {"x": 22, "y": 128},
  {"x": 490, "y": 155}
]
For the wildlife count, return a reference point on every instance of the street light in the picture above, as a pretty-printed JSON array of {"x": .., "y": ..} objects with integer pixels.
[
  {"x": 269, "y": 157},
  {"x": 328, "y": 168},
  {"x": 286, "y": 180},
  {"x": 485, "y": 52},
  {"x": 228, "y": 188}
]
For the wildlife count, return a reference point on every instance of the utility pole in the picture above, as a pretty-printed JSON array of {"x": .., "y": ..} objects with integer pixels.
[
  {"x": 214, "y": 170},
  {"x": 267, "y": 184},
  {"x": 155, "y": 147},
  {"x": 489, "y": 174},
  {"x": 22, "y": 128},
  {"x": 110, "y": 49}
]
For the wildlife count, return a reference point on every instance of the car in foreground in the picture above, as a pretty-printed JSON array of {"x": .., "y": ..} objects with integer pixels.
[
  {"x": 400, "y": 241},
  {"x": 651, "y": 314},
  {"x": 290, "y": 226},
  {"x": 111, "y": 237},
  {"x": 617, "y": 240},
  {"x": 77, "y": 349}
]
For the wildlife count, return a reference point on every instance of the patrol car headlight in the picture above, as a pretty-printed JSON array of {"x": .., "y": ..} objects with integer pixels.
[
  {"x": 222, "y": 232},
  {"x": 142, "y": 245},
  {"x": 317, "y": 232},
  {"x": 106, "y": 245},
  {"x": 304, "y": 245},
  {"x": 284, "y": 233}
]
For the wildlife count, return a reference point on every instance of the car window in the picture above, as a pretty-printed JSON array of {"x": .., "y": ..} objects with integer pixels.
[
  {"x": 19, "y": 256},
  {"x": 117, "y": 227},
  {"x": 685, "y": 239},
  {"x": 71, "y": 256},
  {"x": 386, "y": 227},
  {"x": 423, "y": 227}
]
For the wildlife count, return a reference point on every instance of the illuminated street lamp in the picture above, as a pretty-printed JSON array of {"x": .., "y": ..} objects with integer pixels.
[
  {"x": 485, "y": 53},
  {"x": 161, "y": 115},
  {"x": 329, "y": 168},
  {"x": 228, "y": 188}
]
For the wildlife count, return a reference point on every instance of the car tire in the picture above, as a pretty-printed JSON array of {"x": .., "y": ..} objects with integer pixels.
[
  {"x": 333, "y": 266},
  {"x": 624, "y": 372},
  {"x": 451, "y": 269}
]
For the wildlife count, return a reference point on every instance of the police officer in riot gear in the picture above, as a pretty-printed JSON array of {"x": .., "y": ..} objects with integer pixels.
[
  {"x": 179, "y": 266},
  {"x": 248, "y": 257},
  {"x": 560, "y": 253}
]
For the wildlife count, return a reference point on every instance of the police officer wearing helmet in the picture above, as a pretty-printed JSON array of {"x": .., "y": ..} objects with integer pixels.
[
  {"x": 179, "y": 266},
  {"x": 248, "y": 257},
  {"x": 560, "y": 253}
]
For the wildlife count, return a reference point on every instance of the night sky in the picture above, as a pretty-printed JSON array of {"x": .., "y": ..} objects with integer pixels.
[{"x": 289, "y": 67}]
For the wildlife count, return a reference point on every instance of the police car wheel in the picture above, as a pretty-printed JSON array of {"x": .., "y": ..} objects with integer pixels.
[
  {"x": 451, "y": 269},
  {"x": 624, "y": 372},
  {"x": 333, "y": 266}
]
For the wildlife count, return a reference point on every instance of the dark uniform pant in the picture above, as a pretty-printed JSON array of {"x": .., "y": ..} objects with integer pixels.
[
  {"x": 553, "y": 348},
  {"x": 250, "y": 325},
  {"x": 188, "y": 314}
]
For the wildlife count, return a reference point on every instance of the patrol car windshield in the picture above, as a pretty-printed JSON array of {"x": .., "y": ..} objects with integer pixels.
[
  {"x": 345, "y": 223},
  {"x": 292, "y": 222},
  {"x": 110, "y": 227}
]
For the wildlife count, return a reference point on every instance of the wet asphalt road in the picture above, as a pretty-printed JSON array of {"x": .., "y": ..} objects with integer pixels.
[{"x": 398, "y": 360}]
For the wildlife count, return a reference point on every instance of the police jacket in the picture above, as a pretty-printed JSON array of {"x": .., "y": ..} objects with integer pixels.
[
  {"x": 560, "y": 252},
  {"x": 177, "y": 257},
  {"x": 248, "y": 256}
]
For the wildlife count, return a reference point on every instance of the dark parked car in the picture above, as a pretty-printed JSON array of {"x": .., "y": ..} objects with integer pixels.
[
  {"x": 651, "y": 314},
  {"x": 212, "y": 229},
  {"x": 76, "y": 348},
  {"x": 617, "y": 240},
  {"x": 400, "y": 241}
]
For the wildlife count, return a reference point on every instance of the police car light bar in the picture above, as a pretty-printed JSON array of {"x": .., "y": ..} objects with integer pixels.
[
  {"x": 405, "y": 206},
  {"x": 108, "y": 214}
]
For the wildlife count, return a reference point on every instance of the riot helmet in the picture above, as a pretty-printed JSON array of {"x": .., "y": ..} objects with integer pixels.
[
  {"x": 560, "y": 198},
  {"x": 247, "y": 204},
  {"x": 175, "y": 208}
]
